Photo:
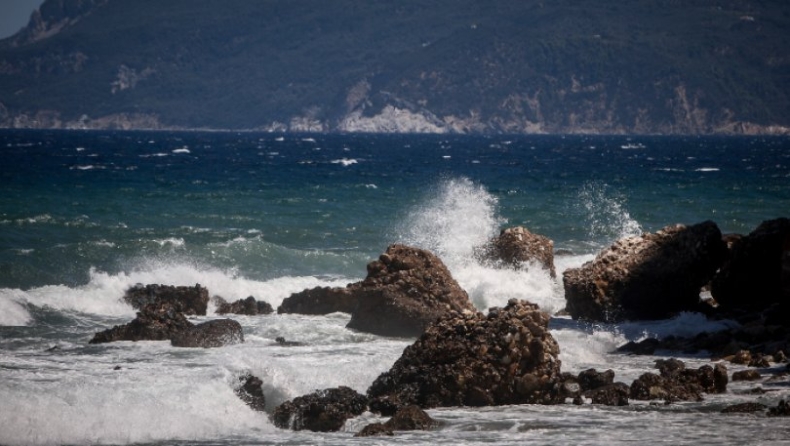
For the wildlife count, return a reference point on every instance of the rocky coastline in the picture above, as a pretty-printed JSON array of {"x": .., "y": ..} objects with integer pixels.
[{"x": 505, "y": 356}]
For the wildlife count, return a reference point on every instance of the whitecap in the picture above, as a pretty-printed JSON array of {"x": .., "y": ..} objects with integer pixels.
[
  {"x": 12, "y": 312},
  {"x": 182, "y": 150},
  {"x": 707, "y": 169},
  {"x": 345, "y": 161}
]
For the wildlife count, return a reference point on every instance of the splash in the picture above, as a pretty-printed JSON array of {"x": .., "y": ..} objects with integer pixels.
[
  {"x": 605, "y": 213},
  {"x": 456, "y": 219}
]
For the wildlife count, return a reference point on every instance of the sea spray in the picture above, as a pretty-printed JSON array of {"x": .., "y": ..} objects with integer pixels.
[
  {"x": 454, "y": 221},
  {"x": 605, "y": 213}
]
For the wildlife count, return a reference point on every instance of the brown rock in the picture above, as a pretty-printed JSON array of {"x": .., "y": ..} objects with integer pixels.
[
  {"x": 745, "y": 408},
  {"x": 320, "y": 300},
  {"x": 506, "y": 357},
  {"x": 517, "y": 246},
  {"x": 250, "y": 391},
  {"x": 248, "y": 306},
  {"x": 653, "y": 276},
  {"x": 746, "y": 375},
  {"x": 321, "y": 411},
  {"x": 187, "y": 300}
]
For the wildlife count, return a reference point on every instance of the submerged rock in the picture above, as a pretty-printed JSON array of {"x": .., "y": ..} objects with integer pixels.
[
  {"x": 185, "y": 299},
  {"x": 517, "y": 246},
  {"x": 505, "y": 357},
  {"x": 321, "y": 411},
  {"x": 408, "y": 418},
  {"x": 154, "y": 322},
  {"x": 216, "y": 333},
  {"x": 250, "y": 391},
  {"x": 405, "y": 290},
  {"x": 653, "y": 276}
]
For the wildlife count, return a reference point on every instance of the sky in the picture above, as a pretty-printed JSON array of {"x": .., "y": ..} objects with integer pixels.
[{"x": 14, "y": 14}]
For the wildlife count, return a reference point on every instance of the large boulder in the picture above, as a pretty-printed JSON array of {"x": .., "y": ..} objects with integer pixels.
[
  {"x": 154, "y": 322},
  {"x": 322, "y": 411},
  {"x": 756, "y": 274},
  {"x": 216, "y": 333},
  {"x": 472, "y": 359},
  {"x": 405, "y": 290},
  {"x": 518, "y": 246},
  {"x": 186, "y": 299},
  {"x": 653, "y": 276}
]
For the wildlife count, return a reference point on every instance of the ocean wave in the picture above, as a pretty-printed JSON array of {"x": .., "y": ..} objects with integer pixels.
[
  {"x": 707, "y": 169},
  {"x": 345, "y": 161}
]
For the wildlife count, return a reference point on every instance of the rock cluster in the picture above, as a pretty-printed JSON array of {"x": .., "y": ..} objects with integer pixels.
[
  {"x": 405, "y": 290},
  {"x": 598, "y": 386},
  {"x": 408, "y": 418},
  {"x": 652, "y": 276},
  {"x": 472, "y": 359},
  {"x": 216, "y": 333},
  {"x": 676, "y": 383},
  {"x": 518, "y": 246},
  {"x": 154, "y": 322}
]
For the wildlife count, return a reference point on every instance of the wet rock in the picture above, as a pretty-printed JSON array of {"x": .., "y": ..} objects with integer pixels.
[
  {"x": 185, "y": 299},
  {"x": 505, "y": 357},
  {"x": 374, "y": 430},
  {"x": 320, "y": 300},
  {"x": 286, "y": 343},
  {"x": 746, "y": 375},
  {"x": 676, "y": 383},
  {"x": 405, "y": 290},
  {"x": 216, "y": 333},
  {"x": 781, "y": 410},
  {"x": 250, "y": 391},
  {"x": 518, "y": 246},
  {"x": 154, "y": 322},
  {"x": 322, "y": 411},
  {"x": 745, "y": 408},
  {"x": 653, "y": 276},
  {"x": 756, "y": 273},
  {"x": 591, "y": 379},
  {"x": 743, "y": 357},
  {"x": 248, "y": 306},
  {"x": 615, "y": 394},
  {"x": 407, "y": 418}
]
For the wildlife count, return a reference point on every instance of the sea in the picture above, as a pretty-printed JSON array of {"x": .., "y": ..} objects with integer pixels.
[{"x": 84, "y": 215}]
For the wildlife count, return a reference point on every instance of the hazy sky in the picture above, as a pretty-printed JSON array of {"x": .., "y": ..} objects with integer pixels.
[{"x": 14, "y": 14}]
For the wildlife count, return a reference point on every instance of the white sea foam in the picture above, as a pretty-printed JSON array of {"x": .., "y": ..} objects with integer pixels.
[
  {"x": 707, "y": 169},
  {"x": 182, "y": 150},
  {"x": 345, "y": 161},
  {"x": 12, "y": 312}
]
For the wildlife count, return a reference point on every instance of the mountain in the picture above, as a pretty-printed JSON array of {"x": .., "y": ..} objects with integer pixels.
[{"x": 464, "y": 66}]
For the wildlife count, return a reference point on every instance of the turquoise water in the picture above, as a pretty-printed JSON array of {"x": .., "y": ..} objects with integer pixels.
[{"x": 85, "y": 215}]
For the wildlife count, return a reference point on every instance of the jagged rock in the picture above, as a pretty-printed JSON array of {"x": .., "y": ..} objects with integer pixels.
[
  {"x": 408, "y": 418},
  {"x": 505, "y": 357},
  {"x": 320, "y": 300},
  {"x": 592, "y": 379},
  {"x": 676, "y": 383},
  {"x": 744, "y": 408},
  {"x": 248, "y": 306},
  {"x": 322, "y": 411},
  {"x": 746, "y": 375},
  {"x": 250, "y": 391},
  {"x": 187, "y": 300},
  {"x": 405, "y": 290},
  {"x": 756, "y": 273},
  {"x": 653, "y": 276},
  {"x": 154, "y": 322},
  {"x": 516, "y": 246},
  {"x": 216, "y": 333},
  {"x": 743, "y": 357}
]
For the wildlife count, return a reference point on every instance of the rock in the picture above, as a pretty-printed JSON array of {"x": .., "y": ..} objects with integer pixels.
[
  {"x": 746, "y": 375},
  {"x": 187, "y": 300},
  {"x": 216, "y": 333},
  {"x": 320, "y": 300},
  {"x": 506, "y": 357},
  {"x": 251, "y": 391},
  {"x": 408, "y": 418},
  {"x": 743, "y": 357},
  {"x": 517, "y": 246},
  {"x": 248, "y": 306},
  {"x": 744, "y": 408},
  {"x": 591, "y": 379},
  {"x": 154, "y": 322},
  {"x": 756, "y": 273},
  {"x": 322, "y": 411},
  {"x": 781, "y": 410},
  {"x": 615, "y": 394},
  {"x": 405, "y": 290},
  {"x": 653, "y": 276},
  {"x": 286, "y": 343},
  {"x": 374, "y": 429}
]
